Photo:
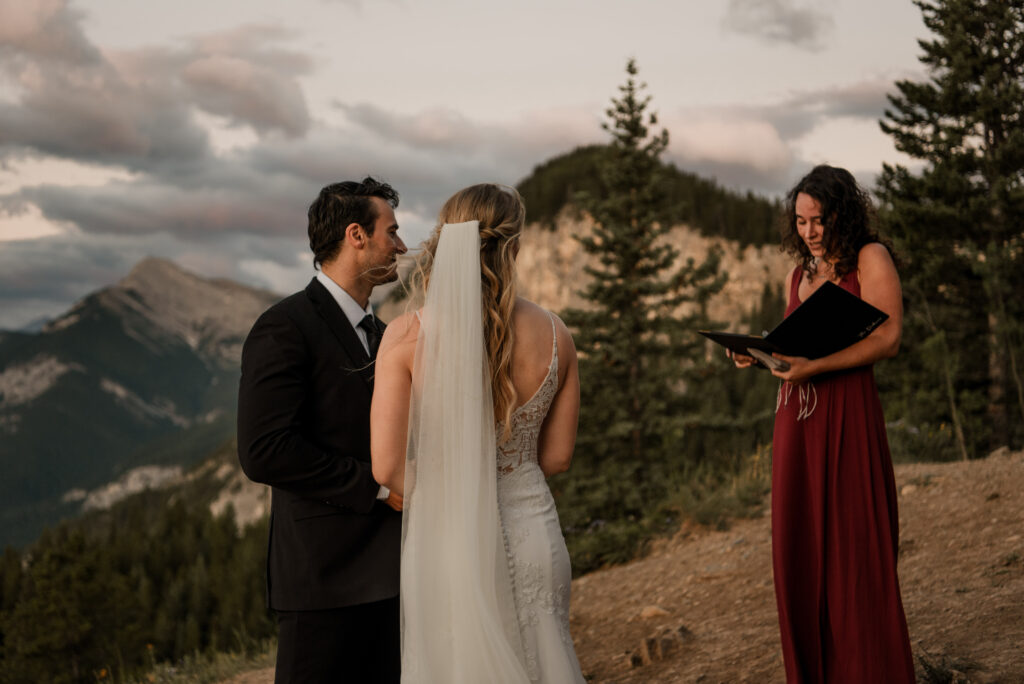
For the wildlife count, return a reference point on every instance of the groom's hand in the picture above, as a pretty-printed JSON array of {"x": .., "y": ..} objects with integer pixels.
[{"x": 394, "y": 500}]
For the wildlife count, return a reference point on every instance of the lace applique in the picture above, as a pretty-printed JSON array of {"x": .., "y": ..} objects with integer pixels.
[{"x": 536, "y": 598}]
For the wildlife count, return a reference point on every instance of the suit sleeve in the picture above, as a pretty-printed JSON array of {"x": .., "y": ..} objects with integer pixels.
[{"x": 276, "y": 367}]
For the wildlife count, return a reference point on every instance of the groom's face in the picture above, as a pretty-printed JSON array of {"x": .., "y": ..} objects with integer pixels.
[{"x": 383, "y": 247}]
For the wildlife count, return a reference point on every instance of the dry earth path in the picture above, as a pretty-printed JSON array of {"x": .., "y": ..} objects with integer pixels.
[{"x": 700, "y": 607}]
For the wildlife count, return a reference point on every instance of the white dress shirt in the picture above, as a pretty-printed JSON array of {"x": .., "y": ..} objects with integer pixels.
[
  {"x": 349, "y": 306},
  {"x": 355, "y": 314}
]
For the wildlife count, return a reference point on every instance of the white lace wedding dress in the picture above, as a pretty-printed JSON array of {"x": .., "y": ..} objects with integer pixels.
[{"x": 538, "y": 559}]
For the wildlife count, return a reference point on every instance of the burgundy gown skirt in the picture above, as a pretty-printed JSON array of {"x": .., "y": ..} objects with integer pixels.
[{"x": 835, "y": 530}]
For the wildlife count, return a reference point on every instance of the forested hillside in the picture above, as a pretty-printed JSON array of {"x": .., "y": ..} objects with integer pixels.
[
  {"x": 155, "y": 578},
  {"x": 686, "y": 198}
]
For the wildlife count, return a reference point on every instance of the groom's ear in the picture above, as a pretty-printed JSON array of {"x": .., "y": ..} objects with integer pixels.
[{"x": 355, "y": 235}]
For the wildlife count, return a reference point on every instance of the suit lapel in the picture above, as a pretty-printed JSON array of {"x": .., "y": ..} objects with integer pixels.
[{"x": 342, "y": 330}]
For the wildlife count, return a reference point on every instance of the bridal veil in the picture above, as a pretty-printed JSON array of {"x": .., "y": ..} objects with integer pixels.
[{"x": 458, "y": 614}]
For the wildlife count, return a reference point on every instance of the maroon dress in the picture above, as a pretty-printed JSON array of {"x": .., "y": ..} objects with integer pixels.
[{"x": 835, "y": 530}]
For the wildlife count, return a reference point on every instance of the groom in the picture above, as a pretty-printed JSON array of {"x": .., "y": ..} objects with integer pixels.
[{"x": 303, "y": 429}]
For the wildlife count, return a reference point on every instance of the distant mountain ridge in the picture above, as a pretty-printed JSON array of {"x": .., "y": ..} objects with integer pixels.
[{"x": 140, "y": 373}]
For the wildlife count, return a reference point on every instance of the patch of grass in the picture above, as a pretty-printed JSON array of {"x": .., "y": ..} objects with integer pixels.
[
  {"x": 712, "y": 495},
  {"x": 211, "y": 668},
  {"x": 944, "y": 669},
  {"x": 922, "y": 481},
  {"x": 715, "y": 499},
  {"x": 926, "y": 442}
]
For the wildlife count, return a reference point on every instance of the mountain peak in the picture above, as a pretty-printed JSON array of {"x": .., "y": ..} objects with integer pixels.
[
  {"x": 210, "y": 315},
  {"x": 156, "y": 265}
]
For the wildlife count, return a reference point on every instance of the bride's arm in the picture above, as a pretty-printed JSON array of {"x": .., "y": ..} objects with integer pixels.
[
  {"x": 558, "y": 435},
  {"x": 389, "y": 411}
]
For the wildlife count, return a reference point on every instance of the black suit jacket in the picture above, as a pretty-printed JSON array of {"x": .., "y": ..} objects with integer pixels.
[{"x": 304, "y": 429}]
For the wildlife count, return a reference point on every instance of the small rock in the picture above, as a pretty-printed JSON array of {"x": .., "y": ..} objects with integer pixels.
[
  {"x": 652, "y": 612},
  {"x": 908, "y": 489}
]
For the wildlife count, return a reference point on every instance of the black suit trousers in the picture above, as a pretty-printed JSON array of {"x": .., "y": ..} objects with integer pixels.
[{"x": 356, "y": 644}]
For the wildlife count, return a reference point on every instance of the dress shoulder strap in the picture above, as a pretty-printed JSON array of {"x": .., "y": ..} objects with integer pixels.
[
  {"x": 554, "y": 342},
  {"x": 794, "y": 287}
]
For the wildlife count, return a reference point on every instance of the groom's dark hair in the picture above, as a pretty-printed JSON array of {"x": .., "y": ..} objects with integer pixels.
[{"x": 339, "y": 205}]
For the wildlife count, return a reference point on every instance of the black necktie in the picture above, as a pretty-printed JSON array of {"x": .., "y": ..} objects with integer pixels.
[{"x": 369, "y": 326}]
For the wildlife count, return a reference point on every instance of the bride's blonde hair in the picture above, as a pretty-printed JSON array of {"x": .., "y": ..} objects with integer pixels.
[{"x": 501, "y": 213}]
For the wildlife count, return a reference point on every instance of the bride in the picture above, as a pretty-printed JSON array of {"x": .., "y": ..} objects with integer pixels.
[{"x": 476, "y": 401}]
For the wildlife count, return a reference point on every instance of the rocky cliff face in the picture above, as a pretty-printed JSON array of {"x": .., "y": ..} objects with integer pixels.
[{"x": 551, "y": 268}]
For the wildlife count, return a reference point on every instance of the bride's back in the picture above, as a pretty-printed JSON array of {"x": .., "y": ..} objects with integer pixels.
[{"x": 531, "y": 349}]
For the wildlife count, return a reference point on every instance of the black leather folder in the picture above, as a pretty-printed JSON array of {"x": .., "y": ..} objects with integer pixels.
[{"x": 829, "y": 320}]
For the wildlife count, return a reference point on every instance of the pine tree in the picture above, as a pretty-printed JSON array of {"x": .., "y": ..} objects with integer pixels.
[
  {"x": 637, "y": 340},
  {"x": 958, "y": 222}
]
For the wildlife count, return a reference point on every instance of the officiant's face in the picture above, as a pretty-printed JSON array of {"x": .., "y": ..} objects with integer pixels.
[
  {"x": 384, "y": 246},
  {"x": 809, "y": 223}
]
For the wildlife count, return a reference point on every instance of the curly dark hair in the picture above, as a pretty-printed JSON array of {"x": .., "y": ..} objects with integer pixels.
[
  {"x": 848, "y": 219},
  {"x": 337, "y": 206}
]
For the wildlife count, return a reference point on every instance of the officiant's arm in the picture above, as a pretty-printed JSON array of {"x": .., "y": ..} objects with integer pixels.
[
  {"x": 389, "y": 411},
  {"x": 880, "y": 287},
  {"x": 271, "y": 447},
  {"x": 558, "y": 434}
]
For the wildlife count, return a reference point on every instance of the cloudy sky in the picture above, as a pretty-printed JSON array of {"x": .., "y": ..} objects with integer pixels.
[{"x": 200, "y": 130}]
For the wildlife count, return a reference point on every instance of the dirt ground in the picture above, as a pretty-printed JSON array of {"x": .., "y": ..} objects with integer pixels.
[{"x": 700, "y": 607}]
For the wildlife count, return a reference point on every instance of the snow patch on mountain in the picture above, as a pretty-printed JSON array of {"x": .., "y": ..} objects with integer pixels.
[
  {"x": 161, "y": 409},
  {"x": 21, "y": 383},
  {"x": 132, "y": 482}
]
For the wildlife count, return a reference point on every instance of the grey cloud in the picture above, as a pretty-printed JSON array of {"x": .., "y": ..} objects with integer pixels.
[
  {"x": 800, "y": 113},
  {"x": 247, "y": 93},
  {"x": 76, "y": 120},
  {"x": 43, "y": 30},
  {"x": 446, "y": 135},
  {"x": 241, "y": 75},
  {"x": 772, "y": 183},
  {"x": 135, "y": 108},
  {"x": 779, "y": 21},
  {"x": 255, "y": 205},
  {"x": 438, "y": 129}
]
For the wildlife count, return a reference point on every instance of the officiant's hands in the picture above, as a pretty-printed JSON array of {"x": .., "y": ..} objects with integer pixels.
[
  {"x": 394, "y": 500},
  {"x": 741, "y": 360},
  {"x": 800, "y": 369}
]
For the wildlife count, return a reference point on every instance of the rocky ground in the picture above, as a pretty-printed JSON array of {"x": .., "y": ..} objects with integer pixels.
[{"x": 700, "y": 607}]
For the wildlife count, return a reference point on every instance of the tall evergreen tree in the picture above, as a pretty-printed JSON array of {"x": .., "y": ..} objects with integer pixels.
[
  {"x": 958, "y": 222},
  {"x": 639, "y": 351}
]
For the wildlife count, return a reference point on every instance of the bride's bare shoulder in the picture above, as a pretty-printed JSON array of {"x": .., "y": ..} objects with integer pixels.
[
  {"x": 529, "y": 315},
  {"x": 403, "y": 328}
]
